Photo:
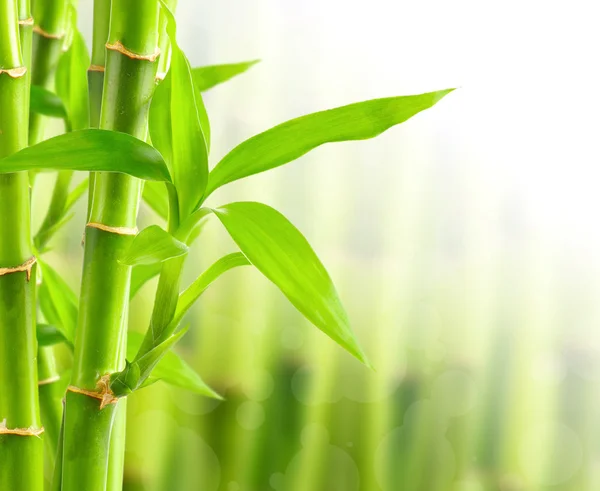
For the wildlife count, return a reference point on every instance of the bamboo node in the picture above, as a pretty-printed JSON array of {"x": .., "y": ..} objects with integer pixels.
[
  {"x": 96, "y": 68},
  {"x": 118, "y": 46},
  {"x": 48, "y": 35},
  {"x": 25, "y": 267},
  {"x": 14, "y": 72},
  {"x": 26, "y": 22},
  {"x": 103, "y": 394},
  {"x": 49, "y": 380},
  {"x": 114, "y": 230},
  {"x": 31, "y": 431}
]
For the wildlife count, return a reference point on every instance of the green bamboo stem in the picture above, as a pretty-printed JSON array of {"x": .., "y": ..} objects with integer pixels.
[
  {"x": 21, "y": 455},
  {"x": 104, "y": 299},
  {"x": 50, "y": 17},
  {"x": 50, "y": 399}
]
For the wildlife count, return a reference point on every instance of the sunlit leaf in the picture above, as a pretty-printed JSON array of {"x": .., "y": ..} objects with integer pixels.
[
  {"x": 207, "y": 77},
  {"x": 91, "y": 150},
  {"x": 155, "y": 194},
  {"x": 291, "y": 140},
  {"x": 278, "y": 249},
  {"x": 179, "y": 127},
  {"x": 152, "y": 245},
  {"x": 141, "y": 275}
]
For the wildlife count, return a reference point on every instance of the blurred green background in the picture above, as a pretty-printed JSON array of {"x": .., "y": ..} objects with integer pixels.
[{"x": 463, "y": 245}]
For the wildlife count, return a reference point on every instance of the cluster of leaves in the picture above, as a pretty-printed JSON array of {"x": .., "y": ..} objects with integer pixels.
[{"x": 178, "y": 182}]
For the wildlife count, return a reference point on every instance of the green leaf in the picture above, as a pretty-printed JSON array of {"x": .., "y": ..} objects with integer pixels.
[
  {"x": 199, "y": 286},
  {"x": 58, "y": 302},
  {"x": 47, "y": 103},
  {"x": 279, "y": 251},
  {"x": 207, "y": 77},
  {"x": 152, "y": 245},
  {"x": 179, "y": 127},
  {"x": 48, "y": 335},
  {"x": 137, "y": 372},
  {"x": 72, "y": 82},
  {"x": 291, "y": 140},
  {"x": 156, "y": 196},
  {"x": 172, "y": 369},
  {"x": 141, "y": 275},
  {"x": 91, "y": 150}
]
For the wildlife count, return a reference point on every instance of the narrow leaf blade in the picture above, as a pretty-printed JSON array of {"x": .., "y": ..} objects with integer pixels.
[
  {"x": 293, "y": 139},
  {"x": 47, "y": 103},
  {"x": 58, "y": 302},
  {"x": 153, "y": 245},
  {"x": 207, "y": 77},
  {"x": 94, "y": 151},
  {"x": 278, "y": 250}
]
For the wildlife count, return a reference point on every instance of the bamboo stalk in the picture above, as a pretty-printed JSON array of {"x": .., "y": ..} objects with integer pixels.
[
  {"x": 130, "y": 79},
  {"x": 21, "y": 451}
]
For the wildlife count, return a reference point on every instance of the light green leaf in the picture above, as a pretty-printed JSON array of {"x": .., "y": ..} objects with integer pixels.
[
  {"x": 291, "y": 140},
  {"x": 278, "y": 250},
  {"x": 152, "y": 245},
  {"x": 199, "y": 286},
  {"x": 172, "y": 369},
  {"x": 156, "y": 196},
  {"x": 72, "y": 82},
  {"x": 179, "y": 127},
  {"x": 47, "y": 103},
  {"x": 91, "y": 150},
  {"x": 207, "y": 77},
  {"x": 141, "y": 275},
  {"x": 58, "y": 302},
  {"x": 48, "y": 335}
]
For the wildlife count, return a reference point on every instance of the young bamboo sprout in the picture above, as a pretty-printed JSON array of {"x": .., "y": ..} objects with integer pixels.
[{"x": 20, "y": 427}]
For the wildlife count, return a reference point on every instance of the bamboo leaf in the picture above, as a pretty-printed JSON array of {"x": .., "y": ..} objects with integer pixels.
[
  {"x": 199, "y": 286},
  {"x": 58, "y": 302},
  {"x": 207, "y": 77},
  {"x": 153, "y": 245},
  {"x": 279, "y": 251},
  {"x": 179, "y": 127},
  {"x": 91, "y": 150},
  {"x": 293, "y": 139},
  {"x": 48, "y": 335},
  {"x": 44, "y": 102},
  {"x": 72, "y": 83},
  {"x": 141, "y": 275},
  {"x": 156, "y": 196},
  {"x": 172, "y": 369}
]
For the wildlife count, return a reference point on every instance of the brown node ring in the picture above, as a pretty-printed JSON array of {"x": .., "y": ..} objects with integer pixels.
[
  {"x": 14, "y": 72},
  {"x": 48, "y": 35},
  {"x": 25, "y": 267},
  {"x": 26, "y": 22},
  {"x": 118, "y": 46},
  {"x": 49, "y": 380},
  {"x": 113, "y": 230},
  {"x": 96, "y": 68},
  {"x": 103, "y": 394},
  {"x": 31, "y": 431}
]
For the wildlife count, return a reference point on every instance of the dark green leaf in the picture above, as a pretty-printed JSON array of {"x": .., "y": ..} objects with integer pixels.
[
  {"x": 282, "y": 254},
  {"x": 291, "y": 140},
  {"x": 72, "y": 83},
  {"x": 199, "y": 286},
  {"x": 206, "y": 77},
  {"x": 91, "y": 150},
  {"x": 141, "y": 275},
  {"x": 153, "y": 245},
  {"x": 58, "y": 302},
  {"x": 47, "y": 103},
  {"x": 155, "y": 194},
  {"x": 48, "y": 335},
  {"x": 172, "y": 369},
  {"x": 179, "y": 127}
]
